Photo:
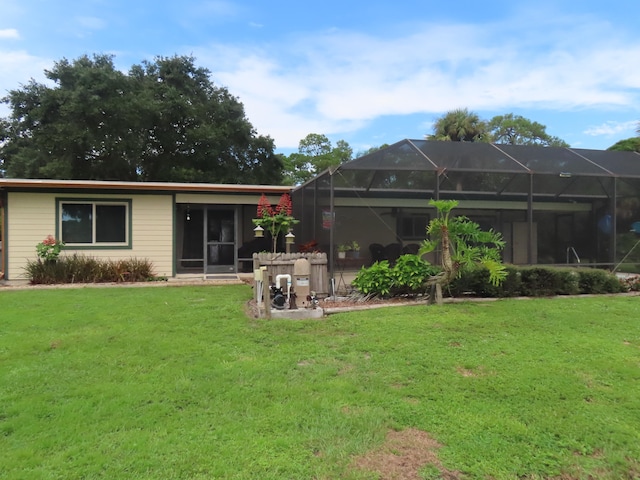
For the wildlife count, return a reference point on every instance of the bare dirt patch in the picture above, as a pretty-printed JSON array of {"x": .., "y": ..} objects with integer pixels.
[{"x": 403, "y": 455}]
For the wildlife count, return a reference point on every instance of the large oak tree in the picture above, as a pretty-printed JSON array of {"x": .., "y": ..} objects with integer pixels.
[{"x": 162, "y": 121}]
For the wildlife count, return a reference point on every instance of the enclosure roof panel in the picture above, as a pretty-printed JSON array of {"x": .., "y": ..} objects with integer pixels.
[
  {"x": 421, "y": 155},
  {"x": 467, "y": 156},
  {"x": 399, "y": 156},
  {"x": 553, "y": 160},
  {"x": 622, "y": 164}
]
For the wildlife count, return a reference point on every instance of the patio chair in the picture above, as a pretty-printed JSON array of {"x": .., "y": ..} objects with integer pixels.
[
  {"x": 377, "y": 253},
  {"x": 392, "y": 252}
]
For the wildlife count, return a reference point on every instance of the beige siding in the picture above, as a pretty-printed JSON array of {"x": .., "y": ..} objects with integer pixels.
[{"x": 32, "y": 216}]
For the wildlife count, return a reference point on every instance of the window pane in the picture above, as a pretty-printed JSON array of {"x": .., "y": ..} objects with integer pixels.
[
  {"x": 76, "y": 222},
  {"x": 111, "y": 223}
]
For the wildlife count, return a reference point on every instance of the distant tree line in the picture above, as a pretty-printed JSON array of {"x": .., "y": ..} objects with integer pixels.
[{"x": 461, "y": 125}]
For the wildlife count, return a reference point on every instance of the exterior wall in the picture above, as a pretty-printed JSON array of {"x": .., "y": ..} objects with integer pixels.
[{"x": 32, "y": 216}]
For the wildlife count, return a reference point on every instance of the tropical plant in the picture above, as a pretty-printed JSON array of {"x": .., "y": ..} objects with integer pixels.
[
  {"x": 276, "y": 220},
  {"x": 462, "y": 245}
]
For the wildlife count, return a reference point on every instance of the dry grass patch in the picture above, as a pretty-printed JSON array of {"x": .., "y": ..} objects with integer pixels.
[{"x": 403, "y": 455}]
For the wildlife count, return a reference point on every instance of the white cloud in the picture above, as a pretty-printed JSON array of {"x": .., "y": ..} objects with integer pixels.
[
  {"x": 10, "y": 33},
  {"x": 337, "y": 81},
  {"x": 612, "y": 128}
]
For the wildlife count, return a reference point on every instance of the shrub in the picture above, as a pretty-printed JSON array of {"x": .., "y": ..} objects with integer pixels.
[
  {"x": 567, "y": 281},
  {"x": 599, "y": 281},
  {"x": 80, "y": 269},
  {"x": 407, "y": 277},
  {"x": 477, "y": 281},
  {"x": 539, "y": 282},
  {"x": 410, "y": 273},
  {"x": 376, "y": 280}
]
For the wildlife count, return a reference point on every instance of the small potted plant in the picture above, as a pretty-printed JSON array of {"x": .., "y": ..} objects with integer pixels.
[
  {"x": 343, "y": 248},
  {"x": 355, "y": 249}
]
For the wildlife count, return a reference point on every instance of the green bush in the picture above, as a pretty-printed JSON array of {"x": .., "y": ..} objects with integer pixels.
[
  {"x": 409, "y": 275},
  {"x": 599, "y": 281},
  {"x": 567, "y": 281},
  {"x": 539, "y": 282},
  {"x": 80, "y": 269},
  {"x": 476, "y": 281},
  {"x": 375, "y": 280}
]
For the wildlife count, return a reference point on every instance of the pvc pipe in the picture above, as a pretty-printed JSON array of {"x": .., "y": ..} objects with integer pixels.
[{"x": 288, "y": 277}]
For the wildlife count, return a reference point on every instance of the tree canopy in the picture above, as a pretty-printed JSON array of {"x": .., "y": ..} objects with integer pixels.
[
  {"x": 315, "y": 154},
  {"x": 162, "y": 121},
  {"x": 628, "y": 145},
  {"x": 516, "y": 130},
  {"x": 461, "y": 125}
]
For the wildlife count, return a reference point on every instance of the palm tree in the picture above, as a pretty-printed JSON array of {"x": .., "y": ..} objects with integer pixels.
[{"x": 459, "y": 125}]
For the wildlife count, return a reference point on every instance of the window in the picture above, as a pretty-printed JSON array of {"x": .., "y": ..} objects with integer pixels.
[
  {"x": 102, "y": 223},
  {"x": 413, "y": 227}
]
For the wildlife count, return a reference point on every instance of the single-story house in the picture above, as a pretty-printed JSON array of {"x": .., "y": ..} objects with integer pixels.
[
  {"x": 553, "y": 206},
  {"x": 182, "y": 228}
]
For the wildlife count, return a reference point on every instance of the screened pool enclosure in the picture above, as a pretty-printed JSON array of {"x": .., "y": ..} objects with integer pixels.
[{"x": 553, "y": 206}]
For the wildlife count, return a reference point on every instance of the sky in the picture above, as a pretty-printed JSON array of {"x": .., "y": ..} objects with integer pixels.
[{"x": 369, "y": 73}]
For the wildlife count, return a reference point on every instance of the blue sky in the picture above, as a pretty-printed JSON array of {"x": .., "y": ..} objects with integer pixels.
[{"x": 366, "y": 72}]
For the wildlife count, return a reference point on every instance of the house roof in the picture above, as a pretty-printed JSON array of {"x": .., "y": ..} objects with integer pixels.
[{"x": 168, "y": 187}]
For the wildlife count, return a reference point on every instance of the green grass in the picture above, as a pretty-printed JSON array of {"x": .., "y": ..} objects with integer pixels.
[{"x": 177, "y": 383}]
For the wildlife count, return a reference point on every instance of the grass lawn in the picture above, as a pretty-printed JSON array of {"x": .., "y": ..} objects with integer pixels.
[{"x": 177, "y": 383}]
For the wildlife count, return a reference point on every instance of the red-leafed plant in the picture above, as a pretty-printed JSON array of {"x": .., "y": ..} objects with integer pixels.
[{"x": 275, "y": 220}]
